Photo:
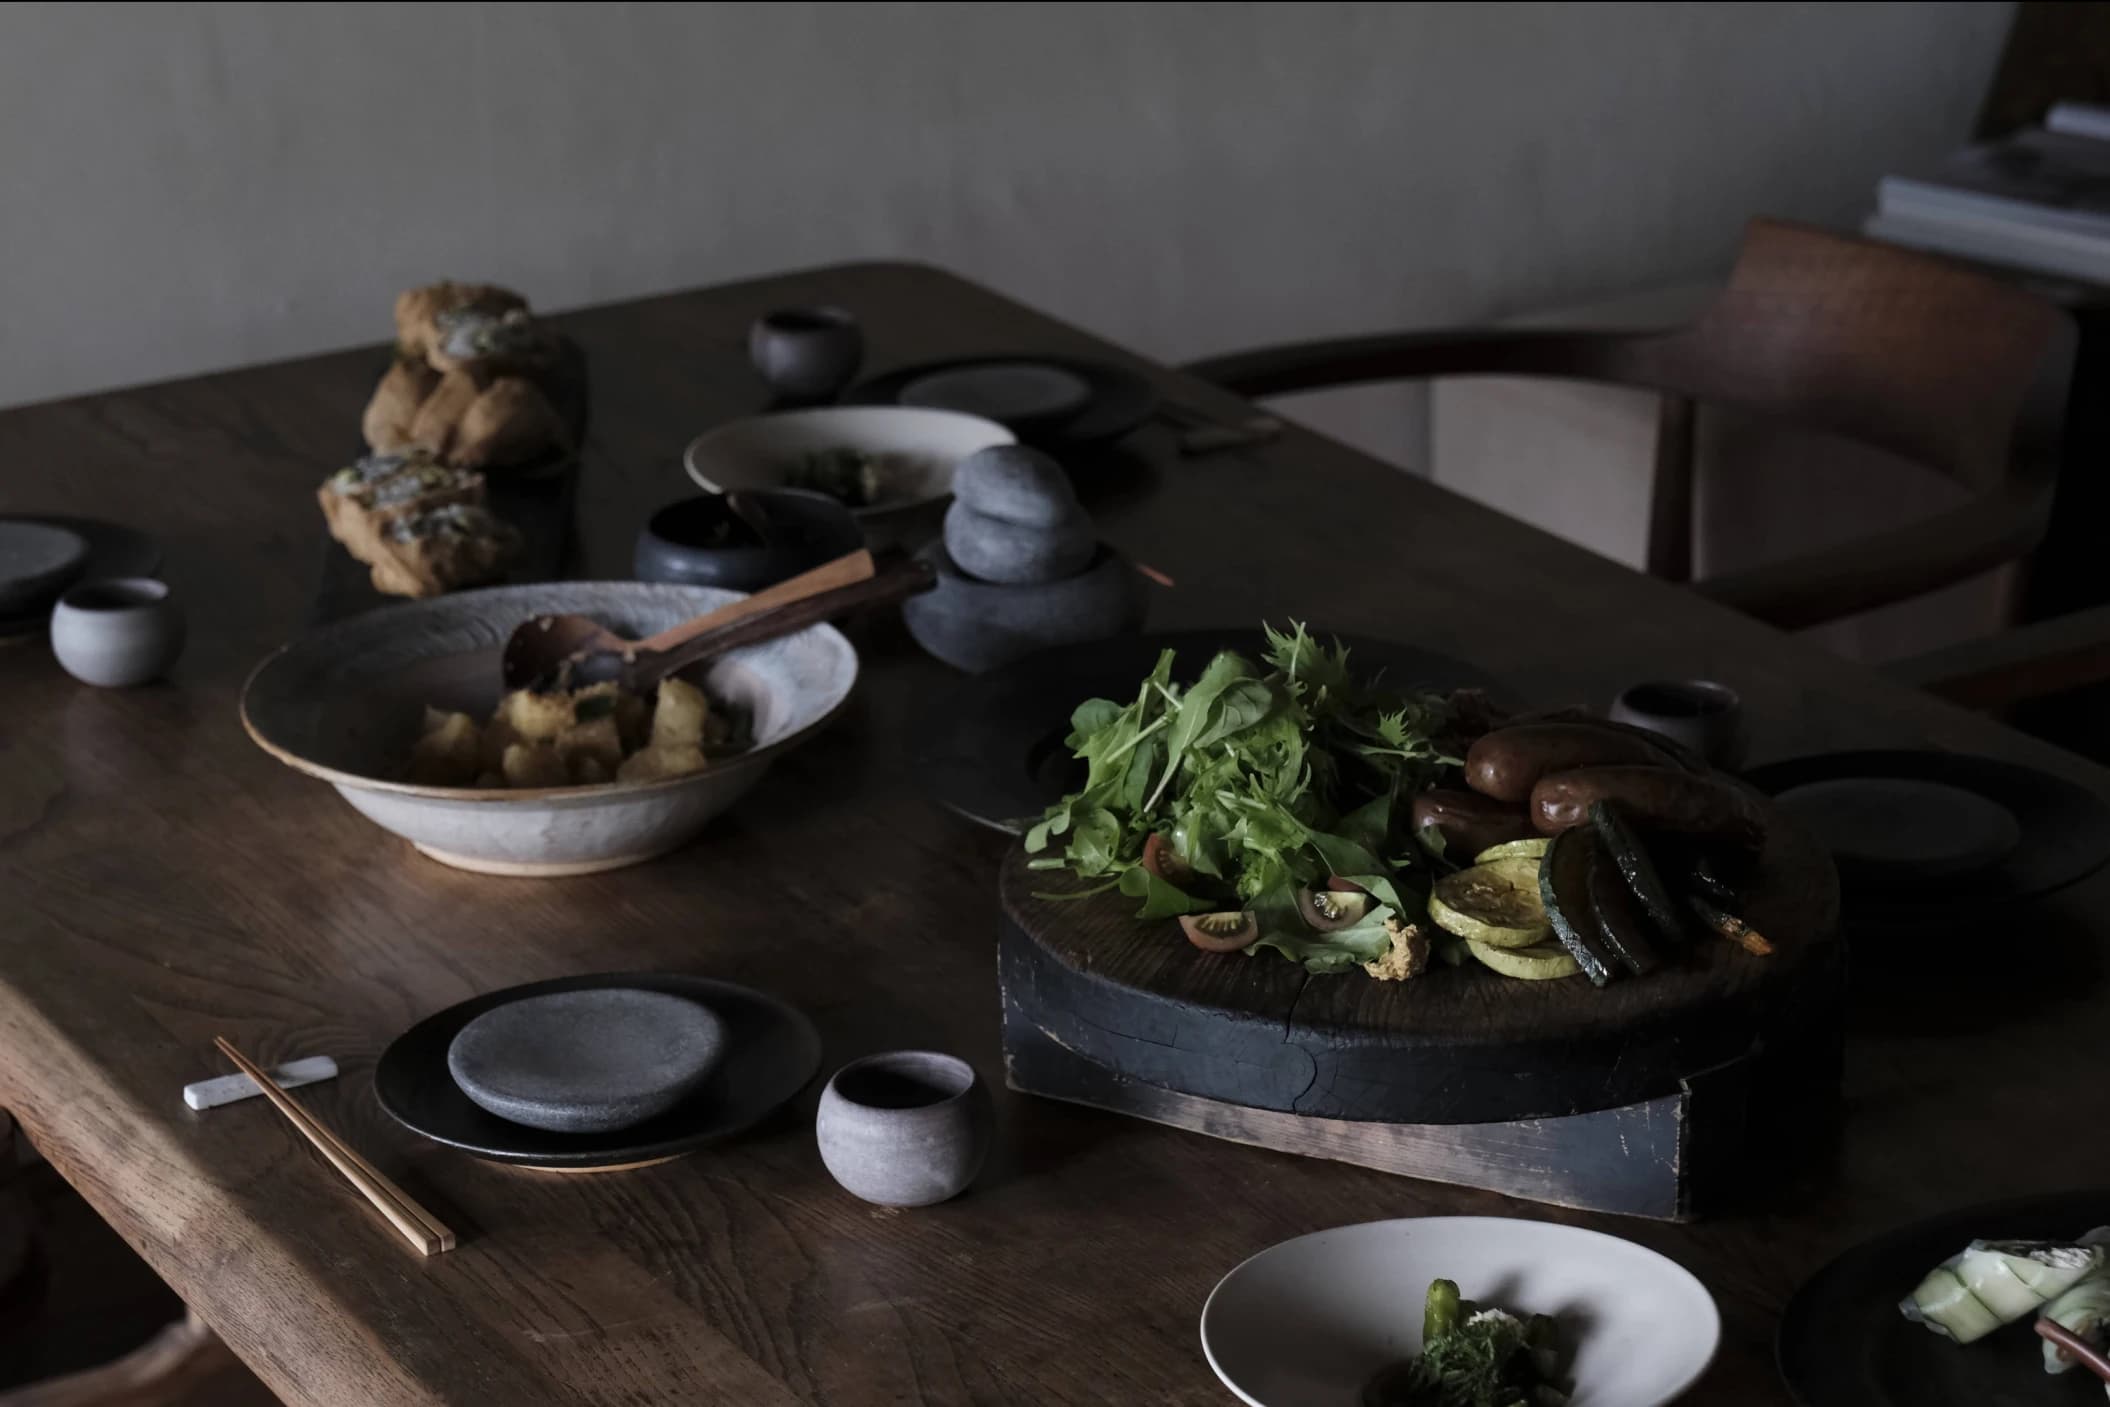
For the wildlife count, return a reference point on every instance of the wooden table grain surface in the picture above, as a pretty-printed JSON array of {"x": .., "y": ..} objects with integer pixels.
[{"x": 163, "y": 881}]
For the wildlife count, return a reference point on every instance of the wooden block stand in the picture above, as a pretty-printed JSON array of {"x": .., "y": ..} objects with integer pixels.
[{"x": 1670, "y": 1096}]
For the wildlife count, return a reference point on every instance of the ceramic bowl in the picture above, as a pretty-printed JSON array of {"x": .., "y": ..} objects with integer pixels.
[
  {"x": 762, "y": 451},
  {"x": 37, "y": 560},
  {"x": 808, "y": 354},
  {"x": 908, "y": 1128},
  {"x": 587, "y": 1061},
  {"x": 1309, "y": 1322},
  {"x": 699, "y": 541},
  {"x": 1708, "y": 718},
  {"x": 343, "y": 703},
  {"x": 117, "y": 633}
]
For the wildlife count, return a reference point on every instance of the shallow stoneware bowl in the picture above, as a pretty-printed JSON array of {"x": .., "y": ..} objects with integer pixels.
[
  {"x": 587, "y": 1061},
  {"x": 906, "y": 1128},
  {"x": 344, "y": 703},
  {"x": 1309, "y": 1322},
  {"x": 760, "y": 452}
]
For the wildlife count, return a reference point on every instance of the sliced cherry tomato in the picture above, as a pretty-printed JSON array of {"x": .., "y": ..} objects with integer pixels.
[
  {"x": 1163, "y": 861},
  {"x": 1344, "y": 886},
  {"x": 1224, "y": 932},
  {"x": 1330, "y": 910}
]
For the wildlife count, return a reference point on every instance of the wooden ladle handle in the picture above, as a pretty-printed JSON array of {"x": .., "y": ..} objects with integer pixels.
[
  {"x": 2076, "y": 1347},
  {"x": 828, "y": 576},
  {"x": 897, "y": 583}
]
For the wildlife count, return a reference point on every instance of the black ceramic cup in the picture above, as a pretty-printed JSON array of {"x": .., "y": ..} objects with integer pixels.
[
  {"x": 806, "y": 354},
  {"x": 700, "y": 541},
  {"x": 1706, "y": 717}
]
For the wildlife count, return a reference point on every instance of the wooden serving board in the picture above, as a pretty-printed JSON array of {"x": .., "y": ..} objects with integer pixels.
[{"x": 1607, "y": 1098}]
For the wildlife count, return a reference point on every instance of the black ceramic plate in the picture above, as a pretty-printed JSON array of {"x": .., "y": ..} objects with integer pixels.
[
  {"x": 1843, "y": 1343},
  {"x": 993, "y": 751},
  {"x": 1120, "y": 399},
  {"x": 772, "y": 1051},
  {"x": 114, "y": 550},
  {"x": 2065, "y": 831}
]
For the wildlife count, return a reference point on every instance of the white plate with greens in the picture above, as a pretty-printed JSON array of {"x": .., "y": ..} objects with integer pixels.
[{"x": 1312, "y": 1322}]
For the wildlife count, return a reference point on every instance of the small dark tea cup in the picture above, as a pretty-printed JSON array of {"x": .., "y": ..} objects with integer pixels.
[
  {"x": 806, "y": 354},
  {"x": 1706, "y": 717}
]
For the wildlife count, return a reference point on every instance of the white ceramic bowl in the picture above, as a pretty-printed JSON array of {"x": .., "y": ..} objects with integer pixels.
[
  {"x": 1308, "y": 1322},
  {"x": 760, "y": 451},
  {"x": 344, "y": 703}
]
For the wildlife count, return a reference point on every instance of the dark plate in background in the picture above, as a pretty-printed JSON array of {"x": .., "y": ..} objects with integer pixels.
[
  {"x": 114, "y": 550},
  {"x": 1120, "y": 399},
  {"x": 2065, "y": 832},
  {"x": 1842, "y": 1342},
  {"x": 772, "y": 1052},
  {"x": 993, "y": 751}
]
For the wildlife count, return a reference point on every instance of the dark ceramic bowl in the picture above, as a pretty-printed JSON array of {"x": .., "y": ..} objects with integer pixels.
[
  {"x": 700, "y": 542},
  {"x": 806, "y": 354}
]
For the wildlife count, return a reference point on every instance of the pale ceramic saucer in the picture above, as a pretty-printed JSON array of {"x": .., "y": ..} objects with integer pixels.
[{"x": 1308, "y": 1322}]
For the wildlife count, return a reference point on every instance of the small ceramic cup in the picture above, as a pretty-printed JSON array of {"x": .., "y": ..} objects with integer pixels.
[
  {"x": 118, "y": 632},
  {"x": 806, "y": 354},
  {"x": 1706, "y": 717},
  {"x": 907, "y": 1128}
]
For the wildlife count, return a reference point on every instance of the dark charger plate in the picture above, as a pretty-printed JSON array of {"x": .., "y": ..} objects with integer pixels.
[
  {"x": 1843, "y": 1342},
  {"x": 1119, "y": 399},
  {"x": 993, "y": 750},
  {"x": 2065, "y": 832},
  {"x": 772, "y": 1052}
]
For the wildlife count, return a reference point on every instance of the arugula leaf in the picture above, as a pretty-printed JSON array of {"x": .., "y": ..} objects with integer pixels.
[
  {"x": 1161, "y": 899},
  {"x": 1322, "y": 953}
]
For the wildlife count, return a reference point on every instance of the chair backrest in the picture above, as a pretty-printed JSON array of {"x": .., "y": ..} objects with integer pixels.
[{"x": 1937, "y": 362}]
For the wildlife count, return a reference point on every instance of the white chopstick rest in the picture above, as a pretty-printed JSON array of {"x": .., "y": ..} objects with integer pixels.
[{"x": 227, "y": 1089}]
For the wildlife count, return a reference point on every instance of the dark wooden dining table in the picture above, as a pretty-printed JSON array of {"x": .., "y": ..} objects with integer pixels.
[{"x": 163, "y": 881}]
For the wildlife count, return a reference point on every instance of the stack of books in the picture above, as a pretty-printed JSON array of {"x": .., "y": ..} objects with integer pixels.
[{"x": 2039, "y": 200}]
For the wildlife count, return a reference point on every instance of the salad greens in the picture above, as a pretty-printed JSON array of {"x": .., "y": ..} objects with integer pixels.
[
  {"x": 1473, "y": 1357},
  {"x": 1262, "y": 779}
]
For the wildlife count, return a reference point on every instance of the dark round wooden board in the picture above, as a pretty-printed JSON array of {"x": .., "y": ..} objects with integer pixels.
[
  {"x": 1456, "y": 1045},
  {"x": 772, "y": 1052},
  {"x": 1843, "y": 1343}
]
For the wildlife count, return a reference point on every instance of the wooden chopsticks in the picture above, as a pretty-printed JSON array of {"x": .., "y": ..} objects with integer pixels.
[{"x": 418, "y": 1226}]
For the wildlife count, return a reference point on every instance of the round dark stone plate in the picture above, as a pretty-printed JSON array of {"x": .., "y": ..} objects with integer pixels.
[
  {"x": 113, "y": 551},
  {"x": 587, "y": 1061},
  {"x": 1842, "y": 1342},
  {"x": 2062, "y": 834},
  {"x": 993, "y": 749},
  {"x": 771, "y": 1053},
  {"x": 1118, "y": 399}
]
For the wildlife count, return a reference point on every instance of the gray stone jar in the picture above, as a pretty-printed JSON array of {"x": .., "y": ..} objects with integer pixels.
[{"x": 907, "y": 1128}]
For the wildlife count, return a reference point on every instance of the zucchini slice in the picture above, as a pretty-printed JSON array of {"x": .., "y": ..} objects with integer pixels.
[
  {"x": 1564, "y": 888},
  {"x": 1541, "y": 962},
  {"x": 1623, "y": 842},
  {"x": 1496, "y": 904},
  {"x": 1612, "y": 906},
  {"x": 1532, "y": 848}
]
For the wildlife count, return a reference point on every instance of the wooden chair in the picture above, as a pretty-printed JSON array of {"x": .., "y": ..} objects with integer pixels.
[{"x": 1952, "y": 369}]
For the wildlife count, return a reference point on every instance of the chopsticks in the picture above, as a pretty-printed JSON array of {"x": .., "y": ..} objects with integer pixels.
[{"x": 418, "y": 1226}]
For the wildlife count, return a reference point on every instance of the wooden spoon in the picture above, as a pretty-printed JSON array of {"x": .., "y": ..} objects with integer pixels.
[
  {"x": 539, "y": 649},
  {"x": 2075, "y": 1347}
]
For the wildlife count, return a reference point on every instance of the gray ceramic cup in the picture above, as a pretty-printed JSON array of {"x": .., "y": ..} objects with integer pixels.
[
  {"x": 907, "y": 1128},
  {"x": 118, "y": 632},
  {"x": 806, "y": 354},
  {"x": 1706, "y": 717}
]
